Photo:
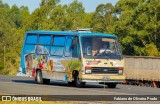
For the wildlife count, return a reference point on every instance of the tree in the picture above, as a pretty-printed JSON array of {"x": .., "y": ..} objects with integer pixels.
[
  {"x": 43, "y": 13},
  {"x": 4, "y": 27},
  {"x": 59, "y": 18},
  {"x": 87, "y": 20},
  {"x": 26, "y": 17},
  {"x": 103, "y": 18},
  {"x": 75, "y": 14},
  {"x": 15, "y": 17},
  {"x": 137, "y": 26}
]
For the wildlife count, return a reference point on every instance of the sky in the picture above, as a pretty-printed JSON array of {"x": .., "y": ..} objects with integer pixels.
[{"x": 89, "y": 5}]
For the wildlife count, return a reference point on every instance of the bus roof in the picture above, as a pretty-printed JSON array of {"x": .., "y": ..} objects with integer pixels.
[
  {"x": 53, "y": 32},
  {"x": 97, "y": 34},
  {"x": 74, "y": 33}
]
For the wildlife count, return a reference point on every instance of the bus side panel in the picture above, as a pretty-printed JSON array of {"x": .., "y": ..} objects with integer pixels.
[
  {"x": 58, "y": 68},
  {"x": 55, "y": 69},
  {"x": 62, "y": 68},
  {"x": 28, "y": 63},
  {"x": 22, "y": 62},
  {"x": 70, "y": 65},
  {"x": 28, "y": 53},
  {"x": 58, "y": 61}
]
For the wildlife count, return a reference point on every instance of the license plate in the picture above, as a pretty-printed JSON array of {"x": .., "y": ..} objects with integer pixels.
[{"x": 106, "y": 78}]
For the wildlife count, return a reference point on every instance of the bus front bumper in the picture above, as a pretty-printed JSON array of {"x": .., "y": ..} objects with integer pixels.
[{"x": 103, "y": 78}]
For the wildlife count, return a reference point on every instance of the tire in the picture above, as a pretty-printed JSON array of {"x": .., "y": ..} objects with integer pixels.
[
  {"x": 112, "y": 85},
  {"x": 39, "y": 78},
  {"x": 72, "y": 83},
  {"x": 78, "y": 83},
  {"x": 46, "y": 81}
]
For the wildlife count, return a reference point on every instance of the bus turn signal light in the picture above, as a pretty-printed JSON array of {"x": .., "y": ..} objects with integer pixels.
[
  {"x": 88, "y": 69},
  {"x": 120, "y": 70}
]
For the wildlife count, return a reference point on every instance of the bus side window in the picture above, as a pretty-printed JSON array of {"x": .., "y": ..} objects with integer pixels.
[
  {"x": 68, "y": 49},
  {"x": 31, "y": 41},
  {"x": 44, "y": 44},
  {"x": 57, "y": 49}
]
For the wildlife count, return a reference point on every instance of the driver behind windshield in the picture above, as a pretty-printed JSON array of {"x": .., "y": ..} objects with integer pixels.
[{"x": 105, "y": 48}]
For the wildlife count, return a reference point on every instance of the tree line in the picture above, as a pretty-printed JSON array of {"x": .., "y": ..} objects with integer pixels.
[{"x": 135, "y": 22}]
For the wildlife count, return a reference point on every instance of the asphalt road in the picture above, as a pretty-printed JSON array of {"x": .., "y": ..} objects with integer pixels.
[{"x": 27, "y": 86}]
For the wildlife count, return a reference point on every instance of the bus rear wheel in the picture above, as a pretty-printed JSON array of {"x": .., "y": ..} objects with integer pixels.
[
  {"x": 39, "y": 78},
  {"x": 46, "y": 81}
]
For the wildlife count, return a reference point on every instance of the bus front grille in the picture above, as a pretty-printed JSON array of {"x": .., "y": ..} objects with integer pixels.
[{"x": 104, "y": 70}]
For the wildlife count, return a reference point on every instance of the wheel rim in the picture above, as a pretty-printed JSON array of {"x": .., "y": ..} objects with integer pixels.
[{"x": 38, "y": 76}]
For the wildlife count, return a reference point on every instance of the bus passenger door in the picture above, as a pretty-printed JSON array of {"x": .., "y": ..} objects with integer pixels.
[{"x": 73, "y": 63}]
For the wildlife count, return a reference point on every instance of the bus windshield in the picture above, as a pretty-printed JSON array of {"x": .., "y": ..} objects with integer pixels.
[{"x": 100, "y": 47}]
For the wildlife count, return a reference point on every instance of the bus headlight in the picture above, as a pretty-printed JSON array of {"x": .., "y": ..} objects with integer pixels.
[
  {"x": 88, "y": 69},
  {"x": 120, "y": 70}
]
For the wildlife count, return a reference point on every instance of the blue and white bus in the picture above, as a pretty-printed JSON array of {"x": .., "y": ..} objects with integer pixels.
[{"x": 75, "y": 57}]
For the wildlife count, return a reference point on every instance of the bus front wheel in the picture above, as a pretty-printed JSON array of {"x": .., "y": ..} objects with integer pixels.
[
  {"x": 78, "y": 83},
  {"x": 71, "y": 83},
  {"x": 111, "y": 85}
]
